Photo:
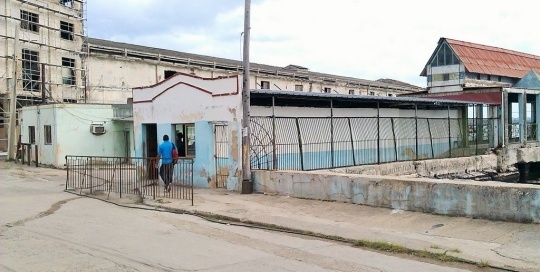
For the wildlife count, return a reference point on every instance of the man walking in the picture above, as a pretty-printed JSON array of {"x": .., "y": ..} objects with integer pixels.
[{"x": 167, "y": 166}]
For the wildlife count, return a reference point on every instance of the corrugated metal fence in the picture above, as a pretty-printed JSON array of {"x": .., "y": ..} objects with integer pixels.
[{"x": 294, "y": 143}]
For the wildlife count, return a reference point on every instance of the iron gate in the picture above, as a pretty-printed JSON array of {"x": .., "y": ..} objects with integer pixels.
[{"x": 221, "y": 155}]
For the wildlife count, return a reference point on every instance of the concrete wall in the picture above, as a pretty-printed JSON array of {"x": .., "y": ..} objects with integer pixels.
[
  {"x": 426, "y": 168},
  {"x": 487, "y": 200}
]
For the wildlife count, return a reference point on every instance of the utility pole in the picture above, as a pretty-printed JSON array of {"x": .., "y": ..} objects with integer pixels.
[
  {"x": 13, "y": 100},
  {"x": 247, "y": 185}
]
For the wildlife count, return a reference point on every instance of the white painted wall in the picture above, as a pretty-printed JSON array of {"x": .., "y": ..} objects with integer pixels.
[{"x": 344, "y": 112}]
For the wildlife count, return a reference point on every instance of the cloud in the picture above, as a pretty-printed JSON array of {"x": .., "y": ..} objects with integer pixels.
[{"x": 364, "y": 39}]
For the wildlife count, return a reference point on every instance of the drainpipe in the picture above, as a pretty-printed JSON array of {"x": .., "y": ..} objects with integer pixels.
[{"x": 449, "y": 133}]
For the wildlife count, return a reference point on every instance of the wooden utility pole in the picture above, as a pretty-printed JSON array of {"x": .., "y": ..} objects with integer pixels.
[
  {"x": 12, "y": 141},
  {"x": 247, "y": 185}
]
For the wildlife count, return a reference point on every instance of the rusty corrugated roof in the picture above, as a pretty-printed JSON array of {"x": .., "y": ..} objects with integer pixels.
[{"x": 491, "y": 60}]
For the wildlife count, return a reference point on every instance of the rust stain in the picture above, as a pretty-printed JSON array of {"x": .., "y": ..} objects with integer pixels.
[
  {"x": 234, "y": 145},
  {"x": 412, "y": 155}
]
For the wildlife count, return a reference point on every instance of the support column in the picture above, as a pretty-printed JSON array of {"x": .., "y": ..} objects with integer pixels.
[
  {"x": 537, "y": 117},
  {"x": 522, "y": 117}
]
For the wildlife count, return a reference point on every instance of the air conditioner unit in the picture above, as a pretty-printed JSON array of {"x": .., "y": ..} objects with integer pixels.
[{"x": 97, "y": 129}]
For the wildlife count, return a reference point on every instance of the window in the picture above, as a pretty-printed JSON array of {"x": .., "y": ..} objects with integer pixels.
[
  {"x": 265, "y": 85},
  {"x": 185, "y": 139},
  {"x": 169, "y": 73},
  {"x": 390, "y": 94},
  {"x": 30, "y": 70},
  {"x": 499, "y": 78},
  {"x": 446, "y": 77},
  {"x": 371, "y": 93},
  {"x": 67, "y": 3},
  {"x": 445, "y": 56},
  {"x": 477, "y": 76},
  {"x": 327, "y": 90},
  {"x": 68, "y": 71},
  {"x": 48, "y": 134},
  {"x": 31, "y": 135},
  {"x": 351, "y": 91},
  {"x": 29, "y": 21},
  {"x": 488, "y": 77},
  {"x": 66, "y": 30},
  {"x": 299, "y": 88}
]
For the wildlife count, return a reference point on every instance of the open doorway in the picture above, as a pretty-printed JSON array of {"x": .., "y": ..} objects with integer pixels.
[{"x": 150, "y": 148}]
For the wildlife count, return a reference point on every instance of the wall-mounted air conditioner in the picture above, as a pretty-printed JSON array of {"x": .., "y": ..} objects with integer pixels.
[{"x": 97, "y": 129}]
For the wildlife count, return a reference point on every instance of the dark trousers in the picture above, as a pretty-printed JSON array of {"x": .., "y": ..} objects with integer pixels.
[{"x": 166, "y": 172}]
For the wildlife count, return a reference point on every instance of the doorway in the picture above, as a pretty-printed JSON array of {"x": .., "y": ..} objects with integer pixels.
[
  {"x": 221, "y": 155},
  {"x": 150, "y": 150}
]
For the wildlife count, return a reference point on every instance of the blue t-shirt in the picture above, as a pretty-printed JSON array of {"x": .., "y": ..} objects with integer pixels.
[{"x": 165, "y": 151}]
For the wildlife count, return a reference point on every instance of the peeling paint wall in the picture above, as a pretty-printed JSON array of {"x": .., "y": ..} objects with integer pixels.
[
  {"x": 185, "y": 99},
  {"x": 487, "y": 200}
]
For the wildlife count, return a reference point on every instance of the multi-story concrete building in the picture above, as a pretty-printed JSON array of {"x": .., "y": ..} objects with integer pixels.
[
  {"x": 115, "y": 68},
  {"x": 41, "y": 43}
]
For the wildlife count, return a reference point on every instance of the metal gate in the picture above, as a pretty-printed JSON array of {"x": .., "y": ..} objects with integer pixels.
[{"x": 221, "y": 155}]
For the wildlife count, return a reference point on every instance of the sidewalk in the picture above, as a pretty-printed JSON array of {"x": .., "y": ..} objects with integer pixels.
[
  {"x": 511, "y": 245},
  {"x": 502, "y": 244}
]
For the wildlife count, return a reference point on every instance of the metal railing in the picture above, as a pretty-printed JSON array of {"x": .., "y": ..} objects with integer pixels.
[
  {"x": 121, "y": 175},
  {"x": 304, "y": 143},
  {"x": 515, "y": 132}
]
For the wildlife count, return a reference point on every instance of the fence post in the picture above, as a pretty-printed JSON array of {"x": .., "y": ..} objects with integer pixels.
[
  {"x": 36, "y": 154},
  {"x": 28, "y": 154},
  {"x": 394, "y": 136},
  {"x": 416, "y": 128},
  {"x": 90, "y": 176},
  {"x": 300, "y": 144},
  {"x": 274, "y": 151},
  {"x": 352, "y": 141},
  {"x": 378, "y": 134},
  {"x": 449, "y": 134},
  {"x": 120, "y": 169},
  {"x": 67, "y": 171},
  {"x": 332, "y": 132}
]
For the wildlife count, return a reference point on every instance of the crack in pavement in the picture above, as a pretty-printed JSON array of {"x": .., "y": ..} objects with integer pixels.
[{"x": 54, "y": 207}]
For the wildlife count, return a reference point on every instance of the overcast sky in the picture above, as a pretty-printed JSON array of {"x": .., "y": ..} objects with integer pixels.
[{"x": 363, "y": 39}]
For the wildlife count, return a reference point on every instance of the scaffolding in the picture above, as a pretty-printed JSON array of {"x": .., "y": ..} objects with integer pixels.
[{"x": 48, "y": 57}]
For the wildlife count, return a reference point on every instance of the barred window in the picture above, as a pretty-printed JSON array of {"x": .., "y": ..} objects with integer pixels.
[
  {"x": 31, "y": 75},
  {"x": 67, "y": 3},
  {"x": 29, "y": 21},
  {"x": 66, "y": 30},
  {"x": 68, "y": 71}
]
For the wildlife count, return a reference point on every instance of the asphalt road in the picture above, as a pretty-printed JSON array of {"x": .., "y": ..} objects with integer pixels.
[{"x": 46, "y": 229}]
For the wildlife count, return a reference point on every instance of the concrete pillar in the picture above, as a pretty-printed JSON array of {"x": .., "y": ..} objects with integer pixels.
[
  {"x": 522, "y": 117},
  {"x": 537, "y": 117},
  {"x": 523, "y": 168}
]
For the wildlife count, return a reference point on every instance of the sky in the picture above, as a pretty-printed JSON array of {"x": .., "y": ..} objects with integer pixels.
[{"x": 357, "y": 38}]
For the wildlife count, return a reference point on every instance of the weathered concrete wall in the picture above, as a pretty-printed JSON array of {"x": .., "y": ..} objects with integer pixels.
[
  {"x": 507, "y": 157},
  {"x": 426, "y": 168},
  {"x": 487, "y": 200}
]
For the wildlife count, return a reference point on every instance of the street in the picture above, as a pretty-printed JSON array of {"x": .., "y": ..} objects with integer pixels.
[{"x": 46, "y": 229}]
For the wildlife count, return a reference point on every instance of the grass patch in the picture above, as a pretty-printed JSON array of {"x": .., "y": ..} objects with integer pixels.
[
  {"x": 483, "y": 264},
  {"x": 393, "y": 248},
  {"x": 455, "y": 250},
  {"x": 435, "y": 247}
]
